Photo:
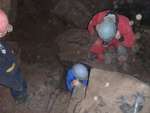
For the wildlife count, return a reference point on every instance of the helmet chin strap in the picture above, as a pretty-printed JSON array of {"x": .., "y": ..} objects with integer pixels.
[{"x": 105, "y": 43}]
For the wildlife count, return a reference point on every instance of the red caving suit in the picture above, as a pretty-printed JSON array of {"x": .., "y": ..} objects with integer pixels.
[{"x": 123, "y": 29}]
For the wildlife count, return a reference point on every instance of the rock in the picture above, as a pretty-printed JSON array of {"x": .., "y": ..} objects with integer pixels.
[
  {"x": 5, "y": 5},
  {"x": 73, "y": 12},
  {"x": 55, "y": 77},
  {"x": 78, "y": 95},
  {"x": 10, "y": 7},
  {"x": 77, "y": 42},
  {"x": 7, "y": 103},
  {"x": 122, "y": 90},
  {"x": 143, "y": 52},
  {"x": 61, "y": 99}
]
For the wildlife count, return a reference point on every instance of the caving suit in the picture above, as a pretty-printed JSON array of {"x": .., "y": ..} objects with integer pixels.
[
  {"x": 124, "y": 30},
  {"x": 10, "y": 73}
]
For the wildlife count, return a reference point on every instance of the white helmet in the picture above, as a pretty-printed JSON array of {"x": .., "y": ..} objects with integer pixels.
[
  {"x": 107, "y": 29},
  {"x": 80, "y": 71},
  {"x": 139, "y": 17}
]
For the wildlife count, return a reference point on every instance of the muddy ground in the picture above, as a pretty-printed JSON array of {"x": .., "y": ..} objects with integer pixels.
[{"x": 37, "y": 32}]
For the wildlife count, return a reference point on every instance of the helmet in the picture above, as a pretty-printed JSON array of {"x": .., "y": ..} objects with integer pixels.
[
  {"x": 3, "y": 22},
  {"x": 107, "y": 29},
  {"x": 139, "y": 17},
  {"x": 80, "y": 71}
]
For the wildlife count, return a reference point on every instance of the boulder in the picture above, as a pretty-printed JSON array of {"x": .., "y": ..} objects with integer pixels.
[
  {"x": 77, "y": 42},
  {"x": 72, "y": 12},
  {"x": 114, "y": 92}
]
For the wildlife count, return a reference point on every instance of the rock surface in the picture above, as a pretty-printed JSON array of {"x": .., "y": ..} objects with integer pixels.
[
  {"x": 106, "y": 90},
  {"x": 10, "y": 7},
  {"x": 72, "y": 12}
]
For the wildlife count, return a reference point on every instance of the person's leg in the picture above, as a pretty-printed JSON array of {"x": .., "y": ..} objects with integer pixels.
[
  {"x": 20, "y": 92},
  {"x": 122, "y": 54},
  {"x": 110, "y": 55}
]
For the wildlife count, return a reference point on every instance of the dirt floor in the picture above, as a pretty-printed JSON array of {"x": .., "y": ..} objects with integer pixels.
[{"x": 41, "y": 65}]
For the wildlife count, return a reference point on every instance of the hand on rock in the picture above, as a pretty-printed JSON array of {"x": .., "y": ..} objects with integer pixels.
[{"x": 75, "y": 83}]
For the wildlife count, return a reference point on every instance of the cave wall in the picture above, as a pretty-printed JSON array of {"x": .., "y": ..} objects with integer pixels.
[{"x": 10, "y": 7}]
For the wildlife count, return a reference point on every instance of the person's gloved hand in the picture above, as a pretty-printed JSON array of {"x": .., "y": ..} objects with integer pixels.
[{"x": 75, "y": 83}]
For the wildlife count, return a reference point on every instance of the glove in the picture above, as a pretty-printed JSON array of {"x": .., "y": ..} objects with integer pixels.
[{"x": 75, "y": 83}]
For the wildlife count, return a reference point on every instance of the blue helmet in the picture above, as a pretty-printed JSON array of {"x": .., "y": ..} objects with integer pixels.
[
  {"x": 107, "y": 30},
  {"x": 80, "y": 71}
]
